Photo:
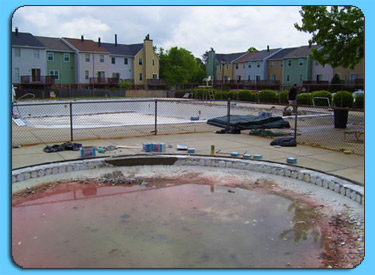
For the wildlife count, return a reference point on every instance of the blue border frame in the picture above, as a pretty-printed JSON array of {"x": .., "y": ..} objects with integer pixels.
[{"x": 6, "y": 11}]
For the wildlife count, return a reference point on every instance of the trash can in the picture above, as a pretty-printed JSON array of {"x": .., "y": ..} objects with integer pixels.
[{"x": 340, "y": 117}]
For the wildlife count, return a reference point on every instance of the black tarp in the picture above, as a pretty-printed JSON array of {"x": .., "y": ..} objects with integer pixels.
[{"x": 249, "y": 122}]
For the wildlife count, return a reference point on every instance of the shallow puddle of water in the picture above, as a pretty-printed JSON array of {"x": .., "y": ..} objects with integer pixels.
[{"x": 175, "y": 226}]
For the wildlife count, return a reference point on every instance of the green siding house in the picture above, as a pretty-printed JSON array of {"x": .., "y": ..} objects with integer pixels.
[
  {"x": 297, "y": 66},
  {"x": 60, "y": 61}
]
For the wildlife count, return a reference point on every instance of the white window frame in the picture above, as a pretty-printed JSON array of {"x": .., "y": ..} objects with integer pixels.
[
  {"x": 301, "y": 77},
  {"x": 87, "y": 57},
  {"x": 17, "y": 52},
  {"x": 154, "y": 76},
  {"x": 289, "y": 62},
  {"x": 113, "y": 60},
  {"x": 153, "y": 62},
  {"x": 287, "y": 78},
  {"x": 66, "y": 57},
  {"x": 50, "y": 55},
  {"x": 36, "y": 54},
  {"x": 55, "y": 73},
  {"x": 140, "y": 61},
  {"x": 87, "y": 74},
  {"x": 140, "y": 77},
  {"x": 258, "y": 64},
  {"x": 101, "y": 58},
  {"x": 272, "y": 64},
  {"x": 17, "y": 72},
  {"x": 300, "y": 62},
  {"x": 126, "y": 62}
]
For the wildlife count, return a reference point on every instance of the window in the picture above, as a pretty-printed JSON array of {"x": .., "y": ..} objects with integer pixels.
[
  {"x": 258, "y": 64},
  {"x": 154, "y": 76},
  {"x": 227, "y": 66},
  {"x": 153, "y": 62},
  {"x": 236, "y": 66},
  {"x": 50, "y": 56},
  {"x": 101, "y": 58},
  {"x": 101, "y": 76},
  {"x": 281, "y": 63},
  {"x": 273, "y": 77},
  {"x": 87, "y": 57},
  {"x": 116, "y": 75},
  {"x": 244, "y": 66},
  {"x": 319, "y": 77},
  {"x": 54, "y": 73},
  {"x": 113, "y": 60},
  {"x": 17, "y": 72},
  {"x": 248, "y": 77},
  {"x": 289, "y": 62},
  {"x": 125, "y": 61},
  {"x": 353, "y": 77},
  {"x": 257, "y": 77},
  {"x": 287, "y": 78},
  {"x": 87, "y": 75},
  {"x": 300, "y": 77},
  {"x": 272, "y": 64},
  {"x": 66, "y": 57},
  {"x": 249, "y": 66},
  {"x": 300, "y": 62},
  {"x": 238, "y": 78},
  {"x": 220, "y": 67},
  {"x": 36, "y": 53},
  {"x": 140, "y": 77},
  {"x": 140, "y": 61},
  {"x": 17, "y": 52}
]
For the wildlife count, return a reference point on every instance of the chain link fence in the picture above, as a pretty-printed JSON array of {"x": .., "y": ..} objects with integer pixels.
[{"x": 54, "y": 122}]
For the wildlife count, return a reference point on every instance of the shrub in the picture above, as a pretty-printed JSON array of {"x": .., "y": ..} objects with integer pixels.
[
  {"x": 246, "y": 95},
  {"x": 343, "y": 99},
  {"x": 181, "y": 93},
  {"x": 360, "y": 101},
  {"x": 304, "y": 99},
  {"x": 283, "y": 97},
  {"x": 267, "y": 96},
  {"x": 321, "y": 102},
  {"x": 126, "y": 85},
  {"x": 199, "y": 93}
]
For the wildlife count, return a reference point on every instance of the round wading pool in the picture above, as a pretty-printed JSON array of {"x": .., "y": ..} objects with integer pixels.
[{"x": 172, "y": 211}]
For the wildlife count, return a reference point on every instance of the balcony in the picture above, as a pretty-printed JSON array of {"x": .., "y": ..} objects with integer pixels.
[
  {"x": 41, "y": 80},
  {"x": 104, "y": 81}
]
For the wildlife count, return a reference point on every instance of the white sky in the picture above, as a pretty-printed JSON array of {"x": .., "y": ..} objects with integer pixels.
[{"x": 227, "y": 29}]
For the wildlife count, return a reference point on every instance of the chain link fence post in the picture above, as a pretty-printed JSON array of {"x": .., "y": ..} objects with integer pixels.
[
  {"x": 156, "y": 117},
  {"x": 71, "y": 120}
]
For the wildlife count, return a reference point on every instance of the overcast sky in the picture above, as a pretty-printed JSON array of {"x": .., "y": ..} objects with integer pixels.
[{"x": 227, "y": 29}]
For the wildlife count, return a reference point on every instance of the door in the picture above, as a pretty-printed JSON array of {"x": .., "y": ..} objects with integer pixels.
[{"x": 35, "y": 75}]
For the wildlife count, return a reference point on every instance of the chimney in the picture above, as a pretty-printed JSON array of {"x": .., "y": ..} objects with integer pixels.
[
  {"x": 98, "y": 41},
  {"x": 268, "y": 48},
  {"x": 16, "y": 31},
  {"x": 82, "y": 39},
  {"x": 116, "y": 40}
]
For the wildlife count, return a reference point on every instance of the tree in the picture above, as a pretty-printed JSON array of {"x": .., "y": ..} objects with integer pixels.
[
  {"x": 179, "y": 66},
  {"x": 340, "y": 32},
  {"x": 252, "y": 49}
]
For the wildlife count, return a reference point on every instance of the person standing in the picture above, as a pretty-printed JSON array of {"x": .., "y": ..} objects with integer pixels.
[{"x": 292, "y": 98}]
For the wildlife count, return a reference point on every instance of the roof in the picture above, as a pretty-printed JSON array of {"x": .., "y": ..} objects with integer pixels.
[
  {"x": 302, "y": 51},
  {"x": 54, "y": 44},
  {"x": 122, "y": 49},
  {"x": 245, "y": 57},
  {"x": 229, "y": 57},
  {"x": 25, "y": 39},
  {"x": 282, "y": 53},
  {"x": 86, "y": 45},
  {"x": 261, "y": 55}
]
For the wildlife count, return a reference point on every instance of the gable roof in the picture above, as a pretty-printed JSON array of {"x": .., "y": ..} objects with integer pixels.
[
  {"x": 282, "y": 53},
  {"x": 121, "y": 49},
  {"x": 245, "y": 57},
  {"x": 229, "y": 58},
  {"x": 302, "y": 51},
  {"x": 86, "y": 45},
  {"x": 54, "y": 44},
  {"x": 263, "y": 54},
  {"x": 25, "y": 39}
]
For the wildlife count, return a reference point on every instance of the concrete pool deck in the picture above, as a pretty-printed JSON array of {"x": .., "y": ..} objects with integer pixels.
[{"x": 349, "y": 166}]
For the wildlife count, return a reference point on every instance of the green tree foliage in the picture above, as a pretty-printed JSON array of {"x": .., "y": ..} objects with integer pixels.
[
  {"x": 339, "y": 29},
  {"x": 252, "y": 49},
  {"x": 179, "y": 66},
  {"x": 343, "y": 99}
]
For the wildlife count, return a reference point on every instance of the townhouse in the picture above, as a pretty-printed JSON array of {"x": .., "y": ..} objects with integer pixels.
[
  {"x": 275, "y": 64},
  {"x": 69, "y": 62},
  {"x": 28, "y": 59},
  {"x": 256, "y": 66},
  {"x": 59, "y": 60}
]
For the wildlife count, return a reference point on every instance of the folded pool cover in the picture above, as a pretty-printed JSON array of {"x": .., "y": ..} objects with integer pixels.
[{"x": 249, "y": 122}]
